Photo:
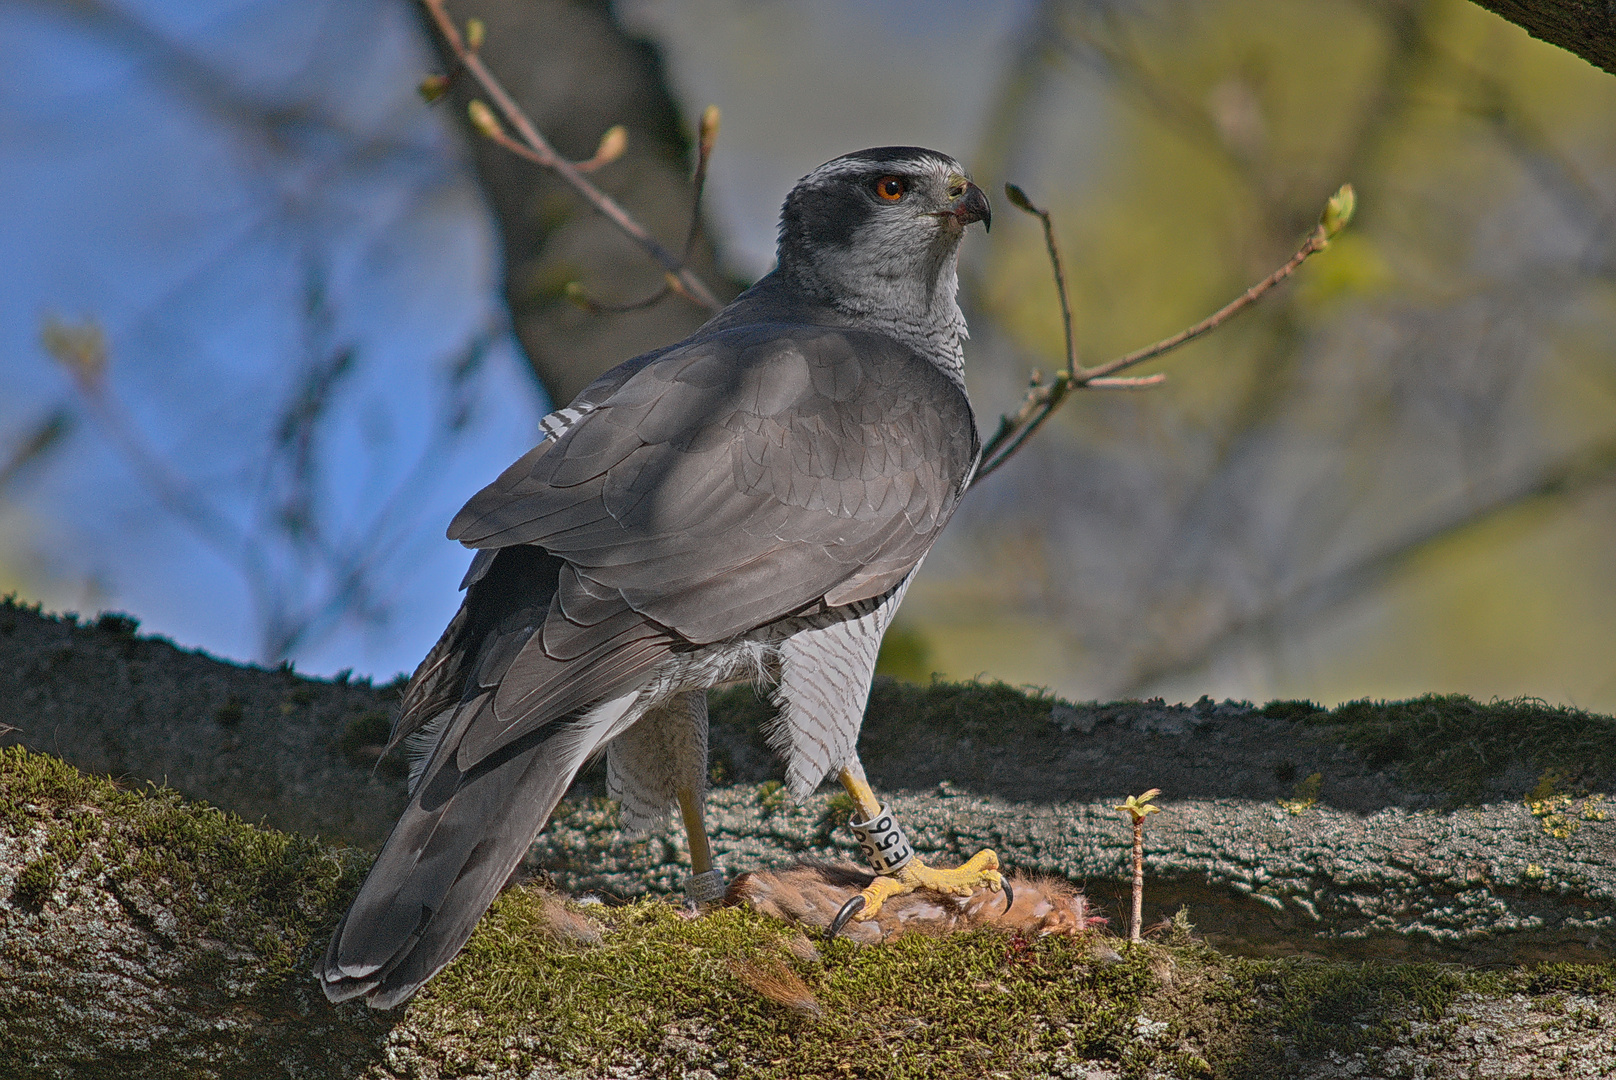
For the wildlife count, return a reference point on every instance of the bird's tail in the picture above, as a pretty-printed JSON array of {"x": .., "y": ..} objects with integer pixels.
[{"x": 455, "y": 846}]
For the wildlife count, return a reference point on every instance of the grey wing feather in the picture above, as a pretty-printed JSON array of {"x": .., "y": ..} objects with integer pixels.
[
  {"x": 467, "y": 825},
  {"x": 714, "y": 490},
  {"x": 508, "y": 593},
  {"x": 451, "y": 852}
]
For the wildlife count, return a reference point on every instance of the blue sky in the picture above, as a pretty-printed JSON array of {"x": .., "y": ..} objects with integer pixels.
[{"x": 187, "y": 176}]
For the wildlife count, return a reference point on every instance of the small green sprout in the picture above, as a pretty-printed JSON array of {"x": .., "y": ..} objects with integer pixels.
[{"x": 1138, "y": 808}]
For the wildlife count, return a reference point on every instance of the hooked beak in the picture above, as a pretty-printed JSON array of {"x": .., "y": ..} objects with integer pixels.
[{"x": 972, "y": 205}]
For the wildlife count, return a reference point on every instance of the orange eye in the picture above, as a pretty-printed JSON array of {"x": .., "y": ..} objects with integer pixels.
[{"x": 891, "y": 188}]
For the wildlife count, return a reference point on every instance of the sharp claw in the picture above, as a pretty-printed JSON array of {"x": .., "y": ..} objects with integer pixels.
[
  {"x": 849, "y": 909},
  {"x": 1009, "y": 894}
]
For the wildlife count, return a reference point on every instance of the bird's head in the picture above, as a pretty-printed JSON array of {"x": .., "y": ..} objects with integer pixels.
[{"x": 875, "y": 234}]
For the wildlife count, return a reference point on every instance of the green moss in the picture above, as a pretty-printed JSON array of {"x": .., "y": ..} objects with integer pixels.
[
  {"x": 181, "y": 937},
  {"x": 902, "y": 716},
  {"x": 231, "y": 713},
  {"x": 1440, "y": 742},
  {"x": 36, "y": 784},
  {"x": 972, "y": 1004},
  {"x": 666, "y": 995},
  {"x": 1448, "y": 743},
  {"x": 368, "y": 729},
  {"x": 1452, "y": 743},
  {"x": 920, "y": 1007},
  {"x": 219, "y": 877},
  {"x": 37, "y": 880},
  {"x": 772, "y": 797},
  {"x": 899, "y": 713},
  {"x": 116, "y": 624},
  {"x": 1291, "y": 710},
  {"x": 1305, "y": 1009},
  {"x": 1587, "y": 979},
  {"x": 839, "y": 810},
  {"x": 235, "y": 882},
  {"x": 1304, "y": 796}
]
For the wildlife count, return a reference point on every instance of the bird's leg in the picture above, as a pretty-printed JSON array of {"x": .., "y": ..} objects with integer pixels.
[
  {"x": 701, "y": 852},
  {"x": 706, "y": 885},
  {"x": 672, "y": 745},
  {"x": 898, "y": 870}
]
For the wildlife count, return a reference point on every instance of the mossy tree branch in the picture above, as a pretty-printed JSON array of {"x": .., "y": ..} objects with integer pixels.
[{"x": 144, "y": 937}]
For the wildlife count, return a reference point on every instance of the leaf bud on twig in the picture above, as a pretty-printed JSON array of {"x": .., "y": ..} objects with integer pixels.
[
  {"x": 707, "y": 132},
  {"x": 1018, "y": 199},
  {"x": 81, "y": 349},
  {"x": 1338, "y": 211},
  {"x": 484, "y": 120},
  {"x": 1139, "y": 806},
  {"x": 612, "y": 145},
  {"x": 475, "y": 33},
  {"x": 433, "y": 87}
]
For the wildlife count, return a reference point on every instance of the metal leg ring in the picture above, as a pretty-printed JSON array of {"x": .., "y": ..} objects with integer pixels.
[{"x": 707, "y": 888}]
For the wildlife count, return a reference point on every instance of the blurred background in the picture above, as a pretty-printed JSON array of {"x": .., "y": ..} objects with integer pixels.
[{"x": 269, "y": 318}]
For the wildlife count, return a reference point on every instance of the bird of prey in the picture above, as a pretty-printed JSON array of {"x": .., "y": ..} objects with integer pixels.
[{"x": 747, "y": 504}]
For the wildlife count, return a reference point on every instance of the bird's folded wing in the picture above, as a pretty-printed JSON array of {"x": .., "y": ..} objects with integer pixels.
[{"x": 726, "y": 484}]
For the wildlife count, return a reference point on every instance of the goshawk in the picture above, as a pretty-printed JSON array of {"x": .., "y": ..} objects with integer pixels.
[{"x": 747, "y": 504}]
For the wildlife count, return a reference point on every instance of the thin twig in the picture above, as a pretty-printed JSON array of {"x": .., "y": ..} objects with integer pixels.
[
  {"x": 707, "y": 133},
  {"x": 1043, "y": 399},
  {"x": 1019, "y": 199},
  {"x": 35, "y": 445},
  {"x": 1315, "y": 243},
  {"x": 580, "y": 296},
  {"x": 535, "y": 148},
  {"x": 82, "y": 352}
]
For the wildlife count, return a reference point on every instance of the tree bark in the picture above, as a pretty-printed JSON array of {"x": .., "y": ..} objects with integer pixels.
[
  {"x": 1366, "y": 865},
  {"x": 1584, "y": 27},
  {"x": 294, "y": 753},
  {"x": 143, "y": 936}
]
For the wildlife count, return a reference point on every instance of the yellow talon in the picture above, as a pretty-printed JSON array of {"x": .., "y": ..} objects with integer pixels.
[
  {"x": 982, "y": 869},
  {"x": 885, "y": 842}
]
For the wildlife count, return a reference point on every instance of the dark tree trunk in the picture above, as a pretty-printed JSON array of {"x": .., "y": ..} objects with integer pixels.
[{"x": 1585, "y": 27}]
